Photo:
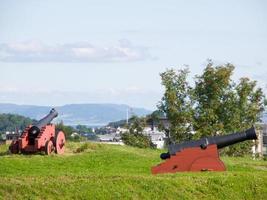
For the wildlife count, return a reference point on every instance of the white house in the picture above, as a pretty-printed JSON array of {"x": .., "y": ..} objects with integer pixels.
[
  {"x": 157, "y": 137},
  {"x": 121, "y": 130}
]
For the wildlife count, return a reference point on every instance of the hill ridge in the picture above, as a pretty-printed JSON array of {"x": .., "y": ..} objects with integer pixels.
[{"x": 91, "y": 114}]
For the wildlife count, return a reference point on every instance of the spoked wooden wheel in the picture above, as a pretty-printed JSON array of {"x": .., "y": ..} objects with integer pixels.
[
  {"x": 49, "y": 147},
  {"x": 60, "y": 142}
]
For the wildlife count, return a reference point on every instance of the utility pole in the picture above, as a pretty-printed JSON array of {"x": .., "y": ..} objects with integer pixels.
[{"x": 127, "y": 116}]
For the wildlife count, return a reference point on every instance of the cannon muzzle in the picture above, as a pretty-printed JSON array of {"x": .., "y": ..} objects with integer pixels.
[
  {"x": 35, "y": 129},
  {"x": 220, "y": 141}
]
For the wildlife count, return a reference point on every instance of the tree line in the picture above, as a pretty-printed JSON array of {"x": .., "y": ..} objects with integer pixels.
[{"x": 12, "y": 122}]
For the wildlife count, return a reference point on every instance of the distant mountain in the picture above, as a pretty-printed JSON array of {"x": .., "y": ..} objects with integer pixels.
[{"x": 73, "y": 114}]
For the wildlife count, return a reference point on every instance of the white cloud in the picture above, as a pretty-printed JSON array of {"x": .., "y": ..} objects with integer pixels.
[
  {"x": 4, "y": 88},
  {"x": 34, "y": 51},
  {"x": 31, "y": 46}
]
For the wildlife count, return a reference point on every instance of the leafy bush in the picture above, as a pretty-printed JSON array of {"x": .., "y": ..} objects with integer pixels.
[
  {"x": 68, "y": 130},
  {"x": 87, "y": 146},
  {"x": 82, "y": 148},
  {"x": 137, "y": 140}
]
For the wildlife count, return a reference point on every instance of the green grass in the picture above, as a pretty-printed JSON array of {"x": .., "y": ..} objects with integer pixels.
[{"x": 98, "y": 171}]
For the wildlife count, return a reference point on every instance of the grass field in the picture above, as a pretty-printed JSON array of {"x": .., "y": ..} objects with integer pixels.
[{"x": 99, "y": 171}]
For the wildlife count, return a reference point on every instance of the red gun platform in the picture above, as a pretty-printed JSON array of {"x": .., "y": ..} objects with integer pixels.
[{"x": 192, "y": 159}]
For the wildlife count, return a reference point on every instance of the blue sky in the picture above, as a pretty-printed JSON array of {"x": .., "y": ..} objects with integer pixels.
[{"x": 60, "y": 52}]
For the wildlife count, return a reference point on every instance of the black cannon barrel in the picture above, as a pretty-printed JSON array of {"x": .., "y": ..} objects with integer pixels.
[
  {"x": 220, "y": 141},
  {"x": 35, "y": 129}
]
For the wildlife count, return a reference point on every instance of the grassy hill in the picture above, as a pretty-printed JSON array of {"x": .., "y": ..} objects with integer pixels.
[{"x": 98, "y": 171}]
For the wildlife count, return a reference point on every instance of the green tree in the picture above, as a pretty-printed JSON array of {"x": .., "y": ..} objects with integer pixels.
[
  {"x": 245, "y": 112},
  {"x": 211, "y": 93},
  {"x": 11, "y": 122},
  {"x": 83, "y": 129},
  {"x": 177, "y": 104},
  {"x": 216, "y": 105},
  {"x": 250, "y": 101}
]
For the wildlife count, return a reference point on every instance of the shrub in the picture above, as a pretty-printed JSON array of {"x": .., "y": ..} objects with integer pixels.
[
  {"x": 82, "y": 148},
  {"x": 137, "y": 140}
]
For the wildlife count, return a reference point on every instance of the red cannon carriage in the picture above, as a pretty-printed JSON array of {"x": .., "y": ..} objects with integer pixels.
[
  {"x": 41, "y": 136},
  {"x": 199, "y": 155}
]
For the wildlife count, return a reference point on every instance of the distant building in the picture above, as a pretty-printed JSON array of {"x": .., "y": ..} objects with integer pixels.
[
  {"x": 12, "y": 135},
  {"x": 261, "y": 146},
  {"x": 107, "y": 137},
  {"x": 158, "y": 140},
  {"x": 74, "y": 134},
  {"x": 157, "y": 137},
  {"x": 121, "y": 130}
]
